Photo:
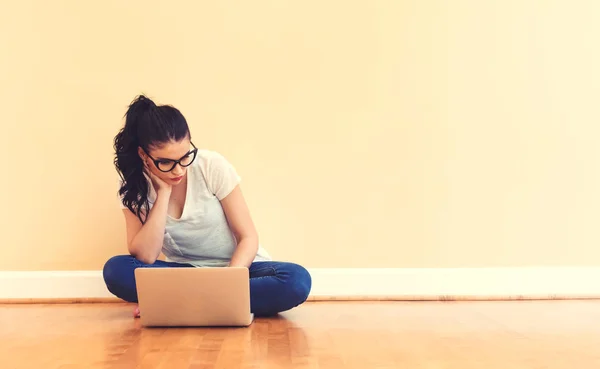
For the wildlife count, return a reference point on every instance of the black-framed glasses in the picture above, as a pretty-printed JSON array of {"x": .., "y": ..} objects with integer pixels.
[{"x": 167, "y": 165}]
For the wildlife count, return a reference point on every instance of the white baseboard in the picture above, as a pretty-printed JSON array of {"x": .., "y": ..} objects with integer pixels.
[
  {"x": 458, "y": 283},
  {"x": 334, "y": 283},
  {"x": 52, "y": 285}
]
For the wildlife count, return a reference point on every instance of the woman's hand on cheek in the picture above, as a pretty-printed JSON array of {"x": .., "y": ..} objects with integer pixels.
[{"x": 159, "y": 185}]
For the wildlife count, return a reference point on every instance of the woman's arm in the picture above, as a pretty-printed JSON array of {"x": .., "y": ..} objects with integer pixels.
[
  {"x": 145, "y": 242},
  {"x": 242, "y": 226}
]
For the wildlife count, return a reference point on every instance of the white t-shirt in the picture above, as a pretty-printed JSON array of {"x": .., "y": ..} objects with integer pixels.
[{"x": 202, "y": 236}]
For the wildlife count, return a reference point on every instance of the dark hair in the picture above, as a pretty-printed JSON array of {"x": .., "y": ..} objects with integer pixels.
[{"x": 146, "y": 125}]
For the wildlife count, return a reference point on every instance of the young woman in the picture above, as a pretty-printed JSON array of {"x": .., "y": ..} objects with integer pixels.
[{"x": 187, "y": 204}]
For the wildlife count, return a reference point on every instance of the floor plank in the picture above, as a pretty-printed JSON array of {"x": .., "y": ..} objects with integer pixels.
[{"x": 429, "y": 335}]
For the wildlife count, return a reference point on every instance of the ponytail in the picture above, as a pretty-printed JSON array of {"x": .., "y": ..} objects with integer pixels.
[{"x": 146, "y": 124}]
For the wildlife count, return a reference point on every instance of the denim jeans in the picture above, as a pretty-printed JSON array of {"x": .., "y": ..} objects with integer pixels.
[{"x": 274, "y": 286}]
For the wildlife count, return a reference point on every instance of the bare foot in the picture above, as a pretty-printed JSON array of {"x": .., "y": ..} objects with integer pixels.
[{"x": 136, "y": 312}]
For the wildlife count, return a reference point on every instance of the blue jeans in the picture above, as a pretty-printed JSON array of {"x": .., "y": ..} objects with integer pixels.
[{"x": 274, "y": 286}]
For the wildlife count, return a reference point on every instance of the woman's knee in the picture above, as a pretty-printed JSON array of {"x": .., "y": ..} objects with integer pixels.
[
  {"x": 117, "y": 270},
  {"x": 119, "y": 277},
  {"x": 300, "y": 282}
]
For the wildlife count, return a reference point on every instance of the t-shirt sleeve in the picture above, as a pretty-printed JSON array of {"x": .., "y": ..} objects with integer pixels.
[{"x": 222, "y": 177}]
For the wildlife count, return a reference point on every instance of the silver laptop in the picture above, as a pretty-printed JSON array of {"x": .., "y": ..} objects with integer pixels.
[{"x": 178, "y": 297}]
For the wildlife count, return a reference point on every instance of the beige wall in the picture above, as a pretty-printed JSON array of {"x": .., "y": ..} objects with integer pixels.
[{"x": 368, "y": 133}]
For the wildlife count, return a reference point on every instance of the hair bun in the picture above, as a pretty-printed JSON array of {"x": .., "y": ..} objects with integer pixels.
[{"x": 143, "y": 101}]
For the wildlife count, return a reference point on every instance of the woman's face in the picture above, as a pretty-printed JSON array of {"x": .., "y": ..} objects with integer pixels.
[{"x": 166, "y": 160}]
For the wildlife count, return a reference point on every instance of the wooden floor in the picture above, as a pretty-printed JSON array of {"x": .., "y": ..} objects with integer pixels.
[{"x": 364, "y": 335}]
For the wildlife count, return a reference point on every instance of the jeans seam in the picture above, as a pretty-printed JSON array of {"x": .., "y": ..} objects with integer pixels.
[
  {"x": 262, "y": 277},
  {"x": 265, "y": 276},
  {"x": 136, "y": 262}
]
